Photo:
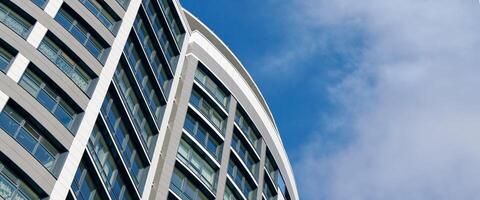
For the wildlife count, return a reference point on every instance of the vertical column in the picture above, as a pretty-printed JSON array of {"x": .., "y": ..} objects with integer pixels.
[
  {"x": 3, "y": 100},
  {"x": 171, "y": 110},
  {"x": 80, "y": 141},
  {"x": 261, "y": 172},
  {"x": 222, "y": 174},
  {"x": 166, "y": 165}
]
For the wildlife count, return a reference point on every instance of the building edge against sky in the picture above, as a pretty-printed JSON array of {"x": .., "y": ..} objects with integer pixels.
[{"x": 129, "y": 99}]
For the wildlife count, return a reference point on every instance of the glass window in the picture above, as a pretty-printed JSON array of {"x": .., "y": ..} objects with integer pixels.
[
  {"x": 134, "y": 108},
  {"x": 207, "y": 110},
  {"x": 12, "y": 187},
  {"x": 161, "y": 29},
  {"x": 28, "y": 136},
  {"x": 198, "y": 131},
  {"x": 39, "y": 3},
  {"x": 14, "y": 21},
  {"x": 80, "y": 33},
  {"x": 7, "y": 188},
  {"x": 103, "y": 159},
  {"x": 271, "y": 167},
  {"x": 241, "y": 148},
  {"x": 173, "y": 22},
  {"x": 240, "y": 179},
  {"x": 139, "y": 68},
  {"x": 65, "y": 63},
  {"x": 48, "y": 97},
  {"x": 229, "y": 195},
  {"x": 84, "y": 187},
  {"x": 190, "y": 124},
  {"x": 247, "y": 128},
  {"x": 281, "y": 185},
  {"x": 123, "y": 3},
  {"x": 152, "y": 55},
  {"x": 184, "y": 187},
  {"x": 5, "y": 58},
  {"x": 188, "y": 156},
  {"x": 45, "y": 157},
  {"x": 176, "y": 182},
  {"x": 122, "y": 139},
  {"x": 268, "y": 190},
  {"x": 100, "y": 12},
  {"x": 211, "y": 87}
]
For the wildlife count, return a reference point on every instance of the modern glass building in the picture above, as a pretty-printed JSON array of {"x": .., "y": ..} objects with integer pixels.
[{"x": 129, "y": 99}]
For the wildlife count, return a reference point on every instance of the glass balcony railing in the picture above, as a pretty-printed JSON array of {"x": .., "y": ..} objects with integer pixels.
[
  {"x": 99, "y": 12},
  {"x": 14, "y": 21},
  {"x": 65, "y": 64},
  {"x": 197, "y": 164},
  {"x": 29, "y": 137}
]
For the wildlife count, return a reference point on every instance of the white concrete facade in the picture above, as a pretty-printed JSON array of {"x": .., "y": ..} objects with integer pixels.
[{"x": 199, "y": 45}]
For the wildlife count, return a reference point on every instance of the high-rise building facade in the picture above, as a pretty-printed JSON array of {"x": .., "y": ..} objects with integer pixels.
[{"x": 129, "y": 99}]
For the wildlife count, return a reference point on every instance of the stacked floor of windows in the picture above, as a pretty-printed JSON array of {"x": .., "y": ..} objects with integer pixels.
[
  {"x": 139, "y": 114},
  {"x": 247, "y": 128},
  {"x": 49, "y": 96},
  {"x": 13, "y": 187},
  {"x": 6, "y": 57},
  {"x": 212, "y": 86},
  {"x": 143, "y": 72},
  {"x": 274, "y": 179},
  {"x": 184, "y": 188},
  {"x": 85, "y": 184},
  {"x": 162, "y": 32},
  {"x": 153, "y": 53},
  {"x": 107, "y": 161},
  {"x": 30, "y": 136},
  {"x": 173, "y": 20},
  {"x": 203, "y": 135},
  {"x": 13, "y": 17},
  {"x": 246, "y": 155},
  {"x": 241, "y": 179},
  {"x": 194, "y": 160},
  {"x": 271, "y": 167},
  {"x": 125, "y": 139},
  {"x": 127, "y": 84},
  {"x": 102, "y": 11},
  {"x": 80, "y": 31},
  {"x": 208, "y": 109},
  {"x": 66, "y": 61}
]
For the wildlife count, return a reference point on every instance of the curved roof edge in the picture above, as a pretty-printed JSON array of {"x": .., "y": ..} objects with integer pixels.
[{"x": 196, "y": 24}]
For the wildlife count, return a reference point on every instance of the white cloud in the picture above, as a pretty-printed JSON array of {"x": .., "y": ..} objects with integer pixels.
[{"x": 412, "y": 104}]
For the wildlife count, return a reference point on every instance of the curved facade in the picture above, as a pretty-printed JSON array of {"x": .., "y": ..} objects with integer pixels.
[{"x": 129, "y": 99}]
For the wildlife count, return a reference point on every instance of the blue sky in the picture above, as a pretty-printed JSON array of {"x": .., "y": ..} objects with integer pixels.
[
  {"x": 255, "y": 33},
  {"x": 375, "y": 99}
]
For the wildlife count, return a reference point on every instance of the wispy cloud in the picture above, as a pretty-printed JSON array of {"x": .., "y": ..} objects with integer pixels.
[{"x": 409, "y": 106}]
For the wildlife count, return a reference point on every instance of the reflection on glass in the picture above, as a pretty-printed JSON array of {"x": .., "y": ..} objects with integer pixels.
[
  {"x": 48, "y": 97},
  {"x": 14, "y": 21},
  {"x": 28, "y": 137},
  {"x": 64, "y": 63}
]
